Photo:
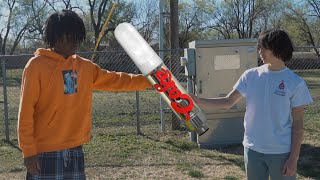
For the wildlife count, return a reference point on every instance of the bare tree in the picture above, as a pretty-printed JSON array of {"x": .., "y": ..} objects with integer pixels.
[
  {"x": 242, "y": 16},
  {"x": 35, "y": 11},
  {"x": 10, "y": 4},
  {"x": 20, "y": 18},
  {"x": 315, "y": 4},
  {"x": 0, "y": 41},
  {"x": 99, "y": 10},
  {"x": 192, "y": 20},
  {"x": 144, "y": 16},
  {"x": 146, "y": 19},
  {"x": 299, "y": 16},
  {"x": 63, "y": 4},
  {"x": 221, "y": 24}
]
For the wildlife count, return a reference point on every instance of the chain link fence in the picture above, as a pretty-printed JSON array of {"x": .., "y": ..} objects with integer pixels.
[
  {"x": 136, "y": 111},
  {"x": 127, "y": 112}
]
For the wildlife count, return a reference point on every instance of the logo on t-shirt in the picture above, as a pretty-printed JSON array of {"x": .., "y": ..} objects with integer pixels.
[
  {"x": 70, "y": 80},
  {"x": 281, "y": 85},
  {"x": 281, "y": 89}
]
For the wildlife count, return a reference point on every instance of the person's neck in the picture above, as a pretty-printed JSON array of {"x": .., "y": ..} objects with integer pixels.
[
  {"x": 276, "y": 65},
  {"x": 56, "y": 50}
]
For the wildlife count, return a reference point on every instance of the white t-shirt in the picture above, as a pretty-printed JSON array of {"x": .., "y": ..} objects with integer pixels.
[{"x": 270, "y": 95}]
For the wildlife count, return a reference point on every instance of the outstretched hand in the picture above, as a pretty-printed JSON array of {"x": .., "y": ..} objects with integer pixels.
[{"x": 32, "y": 164}]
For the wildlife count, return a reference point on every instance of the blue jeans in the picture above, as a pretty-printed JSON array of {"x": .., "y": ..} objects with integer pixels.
[{"x": 260, "y": 166}]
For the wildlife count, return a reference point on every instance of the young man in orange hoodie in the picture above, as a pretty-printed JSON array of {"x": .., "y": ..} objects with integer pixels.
[{"x": 56, "y": 99}]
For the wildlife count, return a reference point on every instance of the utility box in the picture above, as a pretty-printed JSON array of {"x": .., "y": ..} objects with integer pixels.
[{"x": 214, "y": 67}]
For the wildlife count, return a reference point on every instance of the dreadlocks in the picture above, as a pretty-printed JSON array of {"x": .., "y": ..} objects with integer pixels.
[{"x": 62, "y": 23}]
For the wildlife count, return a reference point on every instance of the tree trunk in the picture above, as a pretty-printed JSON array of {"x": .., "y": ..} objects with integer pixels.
[{"x": 174, "y": 24}]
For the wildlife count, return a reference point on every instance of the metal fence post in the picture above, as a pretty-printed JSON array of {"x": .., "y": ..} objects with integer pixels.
[
  {"x": 138, "y": 110},
  {"x": 5, "y": 99},
  {"x": 138, "y": 113},
  {"x": 161, "y": 55}
]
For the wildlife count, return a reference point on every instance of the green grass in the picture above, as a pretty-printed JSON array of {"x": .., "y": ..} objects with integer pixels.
[
  {"x": 117, "y": 152},
  {"x": 230, "y": 178},
  {"x": 196, "y": 174}
]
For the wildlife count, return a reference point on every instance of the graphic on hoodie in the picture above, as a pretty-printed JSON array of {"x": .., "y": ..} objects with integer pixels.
[{"x": 70, "y": 79}]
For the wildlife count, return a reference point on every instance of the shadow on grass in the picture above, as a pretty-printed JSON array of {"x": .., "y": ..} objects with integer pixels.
[
  {"x": 236, "y": 149},
  {"x": 309, "y": 162},
  {"x": 232, "y": 154}
]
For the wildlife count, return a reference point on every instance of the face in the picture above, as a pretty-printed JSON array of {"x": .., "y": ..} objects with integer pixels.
[
  {"x": 266, "y": 55},
  {"x": 65, "y": 48}
]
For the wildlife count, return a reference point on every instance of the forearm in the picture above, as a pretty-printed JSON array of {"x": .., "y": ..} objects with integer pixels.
[
  {"x": 297, "y": 138},
  {"x": 222, "y": 102},
  {"x": 297, "y": 132},
  {"x": 118, "y": 81},
  {"x": 217, "y": 103}
]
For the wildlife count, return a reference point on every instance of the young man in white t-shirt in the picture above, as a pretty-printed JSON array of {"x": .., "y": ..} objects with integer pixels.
[{"x": 275, "y": 102}]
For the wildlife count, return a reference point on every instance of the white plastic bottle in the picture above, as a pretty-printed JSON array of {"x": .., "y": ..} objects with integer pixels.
[{"x": 151, "y": 65}]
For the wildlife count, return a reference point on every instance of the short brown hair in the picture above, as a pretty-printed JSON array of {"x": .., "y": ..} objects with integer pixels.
[{"x": 278, "y": 42}]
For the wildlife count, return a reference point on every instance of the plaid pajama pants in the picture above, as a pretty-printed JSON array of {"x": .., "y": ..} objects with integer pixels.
[{"x": 66, "y": 164}]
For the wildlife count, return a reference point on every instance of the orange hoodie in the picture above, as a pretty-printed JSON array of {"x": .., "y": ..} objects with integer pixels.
[{"x": 56, "y": 100}]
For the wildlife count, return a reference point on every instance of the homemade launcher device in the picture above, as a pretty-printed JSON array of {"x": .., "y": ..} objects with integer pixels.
[{"x": 152, "y": 66}]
